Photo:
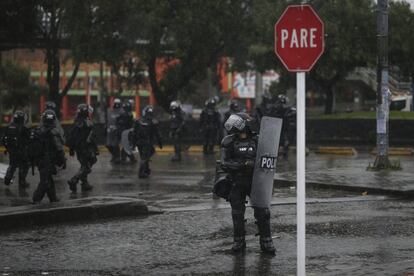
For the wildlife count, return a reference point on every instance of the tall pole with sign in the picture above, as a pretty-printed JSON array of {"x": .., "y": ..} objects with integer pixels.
[
  {"x": 383, "y": 95},
  {"x": 299, "y": 42}
]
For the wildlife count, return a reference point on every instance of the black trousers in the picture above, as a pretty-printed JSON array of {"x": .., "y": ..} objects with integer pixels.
[
  {"x": 17, "y": 161},
  {"x": 86, "y": 160},
  {"x": 46, "y": 185},
  {"x": 241, "y": 188},
  {"x": 146, "y": 151},
  {"x": 210, "y": 139}
]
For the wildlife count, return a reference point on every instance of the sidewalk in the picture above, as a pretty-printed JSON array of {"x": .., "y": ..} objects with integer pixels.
[{"x": 349, "y": 173}]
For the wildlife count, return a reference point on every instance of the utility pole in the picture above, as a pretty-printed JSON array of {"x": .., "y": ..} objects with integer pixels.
[{"x": 383, "y": 94}]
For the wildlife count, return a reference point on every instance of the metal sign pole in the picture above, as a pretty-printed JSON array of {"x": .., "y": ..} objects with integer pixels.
[{"x": 300, "y": 171}]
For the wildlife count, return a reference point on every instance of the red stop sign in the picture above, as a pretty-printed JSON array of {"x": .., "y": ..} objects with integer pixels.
[{"x": 299, "y": 38}]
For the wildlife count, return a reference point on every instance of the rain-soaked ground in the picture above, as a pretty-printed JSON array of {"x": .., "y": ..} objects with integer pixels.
[{"x": 347, "y": 234}]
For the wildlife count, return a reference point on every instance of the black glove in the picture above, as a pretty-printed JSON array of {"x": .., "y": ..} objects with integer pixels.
[{"x": 249, "y": 163}]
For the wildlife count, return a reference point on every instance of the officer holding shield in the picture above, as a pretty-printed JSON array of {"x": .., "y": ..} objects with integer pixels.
[{"x": 238, "y": 157}]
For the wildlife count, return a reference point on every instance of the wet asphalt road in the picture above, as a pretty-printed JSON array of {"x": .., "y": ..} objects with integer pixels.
[{"x": 370, "y": 236}]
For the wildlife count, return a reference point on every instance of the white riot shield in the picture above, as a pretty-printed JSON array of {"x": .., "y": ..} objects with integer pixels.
[
  {"x": 266, "y": 158},
  {"x": 126, "y": 145}
]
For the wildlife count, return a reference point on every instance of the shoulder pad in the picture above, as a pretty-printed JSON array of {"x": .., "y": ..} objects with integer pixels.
[{"x": 228, "y": 140}]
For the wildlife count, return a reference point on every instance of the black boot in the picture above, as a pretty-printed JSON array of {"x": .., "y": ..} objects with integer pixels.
[
  {"x": 262, "y": 216},
  {"x": 7, "y": 181},
  {"x": 73, "y": 183},
  {"x": 239, "y": 243},
  {"x": 86, "y": 186}
]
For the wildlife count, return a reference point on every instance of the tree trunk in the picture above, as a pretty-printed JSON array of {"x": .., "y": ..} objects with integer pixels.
[{"x": 161, "y": 99}]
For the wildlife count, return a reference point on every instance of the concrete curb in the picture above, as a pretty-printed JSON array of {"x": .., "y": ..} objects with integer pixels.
[
  {"x": 397, "y": 151},
  {"x": 280, "y": 182},
  {"x": 89, "y": 209},
  {"x": 336, "y": 150}
]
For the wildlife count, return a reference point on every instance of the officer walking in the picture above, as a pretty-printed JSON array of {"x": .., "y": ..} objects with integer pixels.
[
  {"x": 81, "y": 141},
  {"x": 15, "y": 140},
  {"x": 177, "y": 124},
  {"x": 144, "y": 135},
  {"x": 125, "y": 122},
  {"x": 209, "y": 125},
  {"x": 238, "y": 154},
  {"x": 112, "y": 133},
  {"x": 51, "y": 106},
  {"x": 46, "y": 150}
]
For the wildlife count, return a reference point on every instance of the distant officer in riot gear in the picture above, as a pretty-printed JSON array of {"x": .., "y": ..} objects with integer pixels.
[
  {"x": 177, "y": 124},
  {"x": 144, "y": 135},
  {"x": 125, "y": 123},
  {"x": 266, "y": 108},
  {"x": 288, "y": 115},
  {"x": 46, "y": 150},
  {"x": 238, "y": 154},
  {"x": 81, "y": 140},
  {"x": 51, "y": 106},
  {"x": 15, "y": 140},
  {"x": 112, "y": 132},
  {"x": 209, "y": 125}
]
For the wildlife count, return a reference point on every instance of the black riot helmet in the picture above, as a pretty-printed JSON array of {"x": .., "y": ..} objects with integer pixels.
[
  {"x": 283, "y": 99},
  {"x": 18, "y": 117},
  {"x": 127, "y": 106},
  {"x": 210, "y": 103},
  {"x": 148, "y": 112},
  {"x": 48, "y": 118},
  {"x": 238, "y": 123},
  {"x": 234, "y": 105},
  {"x": 175, "y": 106},
  {"x": 267, "y": 98},
  {"x": 117, "y": 104},
  {"x": 83, "y": 110},
  {"x": 49, "y": 105}
]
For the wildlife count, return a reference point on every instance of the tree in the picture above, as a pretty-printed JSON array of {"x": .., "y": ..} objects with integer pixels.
[
  {"x": 350, "y": 42},
  {"x": 15, "y": 89}
]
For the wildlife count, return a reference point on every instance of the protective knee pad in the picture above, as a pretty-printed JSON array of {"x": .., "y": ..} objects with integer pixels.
[{"x": 261, "y": 213}]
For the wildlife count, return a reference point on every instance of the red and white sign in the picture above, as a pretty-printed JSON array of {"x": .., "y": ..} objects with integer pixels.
[{"x": 299, "y": 38}]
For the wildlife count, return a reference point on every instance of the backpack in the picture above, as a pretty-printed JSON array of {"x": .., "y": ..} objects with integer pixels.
[
  {"x": 11, "y": 137},
  {"x": 35, "y": 145}
]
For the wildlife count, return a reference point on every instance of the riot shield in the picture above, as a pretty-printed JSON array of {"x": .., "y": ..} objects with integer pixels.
[
  {"x": 266, "y": 158},
  {"x": 125, "y": 143}
]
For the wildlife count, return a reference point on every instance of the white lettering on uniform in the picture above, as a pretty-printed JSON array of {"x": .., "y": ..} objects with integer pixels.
[{"x": 285, "y": 34}]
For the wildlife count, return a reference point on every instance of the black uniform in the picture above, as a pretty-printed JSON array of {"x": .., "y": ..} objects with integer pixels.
[
  {"x": 15, "y": 140},
  {"x": 112, "y": 132},
  {"x": 209, "y": 125},
  {"x": 47, "y": 152},
  {"x": 125, "y": 122},
  {"x": 238, "y": 157},
  {"x": 177, "y": 124},
  {"x": 82, "y": 142},
  {"x": 144, "y": 135}
]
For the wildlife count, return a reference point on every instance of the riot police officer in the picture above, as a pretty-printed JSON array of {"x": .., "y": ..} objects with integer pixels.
[
  {"x": 144, "y": 135},
  {"x": 125, "y": 122},
  {"x": 112, "y": 133},
  {"x": 46, "y": 150},
  {"x": 234, "y": 107},
  {"x": 15, "y": 140},
  {"x": 209, "y": 125},
  {"x": 177, "y": 124},
  {"x": 288, "y": 115},
  {"x": 238, "y": 154},
  {"x": 51, "y": 106},
  {"x": 266, "y": 108},
  {"x": 81, "y": 141}
]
